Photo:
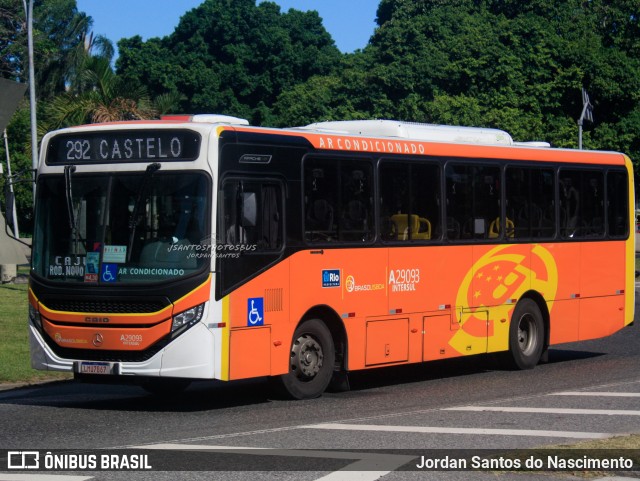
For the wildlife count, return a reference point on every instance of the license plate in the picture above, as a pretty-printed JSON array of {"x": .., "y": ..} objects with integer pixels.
[{"x": 86, "y": 367}]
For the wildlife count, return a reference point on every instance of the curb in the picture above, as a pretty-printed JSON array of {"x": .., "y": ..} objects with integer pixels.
[{"x": 27, "y": 384}]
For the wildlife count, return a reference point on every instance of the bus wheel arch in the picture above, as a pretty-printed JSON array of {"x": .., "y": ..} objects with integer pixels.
[
  {"x": 528, "y": 332},
  {"x": 317, "y": 342},
  {"x": 338, "y": 332}
]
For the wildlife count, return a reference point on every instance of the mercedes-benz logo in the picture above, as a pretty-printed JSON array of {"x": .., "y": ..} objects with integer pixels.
[{"x": 97, "y": 339}]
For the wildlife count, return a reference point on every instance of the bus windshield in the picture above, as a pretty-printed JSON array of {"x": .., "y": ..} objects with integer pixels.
[{"x": 121, "y": 228}]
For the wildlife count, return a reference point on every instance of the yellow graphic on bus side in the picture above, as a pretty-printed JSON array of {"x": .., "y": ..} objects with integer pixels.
[{"x": 490, "y": 290}]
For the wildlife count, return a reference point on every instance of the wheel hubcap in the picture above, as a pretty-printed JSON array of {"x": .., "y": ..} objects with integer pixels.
[
  {"x": 306, "y": 357},
  {"x": 527, "y": 334}
]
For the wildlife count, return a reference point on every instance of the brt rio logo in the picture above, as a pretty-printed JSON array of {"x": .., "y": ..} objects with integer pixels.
[
  {"x": 496, "y": 281},
  {"x": 331, "y": 278}
]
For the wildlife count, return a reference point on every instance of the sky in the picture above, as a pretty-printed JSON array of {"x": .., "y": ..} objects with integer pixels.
[{"x": 350, "y": 22}]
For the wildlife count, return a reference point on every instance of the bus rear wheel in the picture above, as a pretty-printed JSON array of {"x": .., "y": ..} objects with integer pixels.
[
  {"x": 311, "y": 361},
  {"x": 526, "y": 335}
]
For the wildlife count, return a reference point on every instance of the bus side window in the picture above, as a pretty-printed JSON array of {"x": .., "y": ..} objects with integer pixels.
[
  {"x": 617, "y": 204},
  {"x": 425, "y": 202},
  {"x": 581, "y": 203},
  {"x": 338, "y": 200},
  {"x": 356, "y": 219},
  {"x": 409, "y": 201},
  {"x": 527, "y": 190},
  {"x": 593, "y": 184},
  {"x": 394, "y": 200},
  {"x": 319, "y": 201},
  {"x": 473, "y": 201},
  {"x": 252, "y": 215}
]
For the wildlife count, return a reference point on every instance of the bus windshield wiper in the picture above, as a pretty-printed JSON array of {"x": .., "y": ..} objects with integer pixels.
[
  {"x": 142, "y": 195},
  {"x": 73, "y": 221}
]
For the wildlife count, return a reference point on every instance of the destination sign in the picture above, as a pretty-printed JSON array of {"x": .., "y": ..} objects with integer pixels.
[{"x": 124, "y": 146}]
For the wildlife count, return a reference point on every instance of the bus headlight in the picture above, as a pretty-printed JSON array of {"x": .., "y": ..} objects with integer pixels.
[
  {"x": 34, "y": 317},
  {"x": 186, "y": 319}
]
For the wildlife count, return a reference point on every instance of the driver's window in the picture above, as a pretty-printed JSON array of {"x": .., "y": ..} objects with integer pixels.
[{"x": 252, "y": 215}]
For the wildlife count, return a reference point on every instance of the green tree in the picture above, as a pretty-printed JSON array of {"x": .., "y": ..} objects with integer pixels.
[
  {"x": 514, "y": 65},
  {"x": 60, "y": 33},
  {"x": 18, "y": 135},
  {"x": 74, "y": 80},
  {"x": 13, "y": 39},
  {"x": 103, "y": 98},
  {"x": 232, "y": 57}
]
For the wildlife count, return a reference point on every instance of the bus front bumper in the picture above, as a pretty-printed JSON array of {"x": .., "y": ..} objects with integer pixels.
[{"x": 191, "y": 355}]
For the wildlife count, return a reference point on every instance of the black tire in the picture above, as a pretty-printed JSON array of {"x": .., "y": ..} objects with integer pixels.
[
  {"x": 311, "y": 362},
  {"x": 526, "y": 335},
  {"x": 165, "y": 386}
]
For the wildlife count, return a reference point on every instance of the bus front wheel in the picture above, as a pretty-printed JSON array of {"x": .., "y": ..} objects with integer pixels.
[
  {"x": 311, "y": 361},
  {"x": 526, "y": 335}
]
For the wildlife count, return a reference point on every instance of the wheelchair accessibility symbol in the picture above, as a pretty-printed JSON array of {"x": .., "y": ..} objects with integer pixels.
[
  {"x": 109, "y": 273},
  {"x": 255, "y": 311}
]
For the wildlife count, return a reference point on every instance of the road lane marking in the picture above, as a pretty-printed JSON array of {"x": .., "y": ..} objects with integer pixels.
[
  {"x": 596, "y": 394},
  {"x": 367, "y": 466},
  {"x": 445, "y": 430},
  {"x": 218, "y": 436},
  {"x": 507, "y": 409}
]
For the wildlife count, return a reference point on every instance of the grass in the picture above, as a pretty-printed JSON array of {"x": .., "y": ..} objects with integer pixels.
[
  {"x": 624, "y": 445},
  {"x": 15, "y": 363},
  {"x": 631, "y": 441}
]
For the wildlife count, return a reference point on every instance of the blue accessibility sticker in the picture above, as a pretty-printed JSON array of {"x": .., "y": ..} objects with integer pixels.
[
  {"x": 255, "y": 311},
  {"x": 109, "y": 272}
]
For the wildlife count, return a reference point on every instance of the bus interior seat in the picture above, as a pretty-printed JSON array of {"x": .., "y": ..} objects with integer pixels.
[
  {"x": 453, "y": 228},
  {"x": 528, "y": 219},
  {"x": 475, "y": 228},
  {"x": 420, "y": 227},
  {"x": 319, "y": 216},
  {"x": 494, "y": 228},
  {"x": 355, "y": 216}
]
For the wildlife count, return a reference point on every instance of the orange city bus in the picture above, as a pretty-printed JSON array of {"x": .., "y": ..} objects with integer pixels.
[{"x": 199, "y": 247}]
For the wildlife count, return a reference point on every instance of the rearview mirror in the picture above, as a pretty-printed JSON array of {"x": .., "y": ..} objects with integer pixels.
[{"x": 249, "y": 209}]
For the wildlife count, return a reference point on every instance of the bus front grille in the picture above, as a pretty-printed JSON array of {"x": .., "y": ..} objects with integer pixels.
[{"x": 107, "y": 306}]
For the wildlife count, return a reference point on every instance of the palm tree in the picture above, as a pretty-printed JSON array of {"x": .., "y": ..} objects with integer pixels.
[{"x": 98, "y": 95}]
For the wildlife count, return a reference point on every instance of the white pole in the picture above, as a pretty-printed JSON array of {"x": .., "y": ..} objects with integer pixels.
[
  {"x": 580, "y": 122},
  {"x": 16, "y": 232},
  {"x": 580, "y": 135},
  {"x": 32, "y": 89}
]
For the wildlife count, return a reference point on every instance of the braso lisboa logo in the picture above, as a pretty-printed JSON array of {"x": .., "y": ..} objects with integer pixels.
[
  {"x": 351, "y": 286},
  {"x": 492, "y": 286},
  {"x": 351, "y": 283}
]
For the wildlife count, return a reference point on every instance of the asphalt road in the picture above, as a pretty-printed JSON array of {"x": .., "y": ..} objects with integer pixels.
[{"x": 586, "y": 391}]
